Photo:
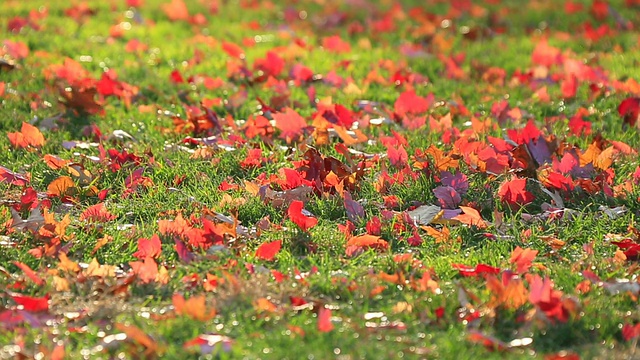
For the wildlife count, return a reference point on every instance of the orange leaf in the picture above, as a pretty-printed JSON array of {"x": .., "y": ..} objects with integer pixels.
[
  {"x": 360, "y": 243},
  {"x": 522, "y": 258},
  {"x": 146, "y": 270},
  {"x": 471, "y": 216},
  {"x": 54, "y": 162},
  {"x": 263, "y": 304},
  {"x": 138, "y": 336},
  {"x": 29, "y": 135},
  {"x": 61, "y": 186},
  {"x": 194, "y": 308},
  {"x": 176, "y": 10}
]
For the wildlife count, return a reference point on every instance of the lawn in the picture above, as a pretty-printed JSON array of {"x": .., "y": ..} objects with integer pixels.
[{"x": 319, "y": 179}]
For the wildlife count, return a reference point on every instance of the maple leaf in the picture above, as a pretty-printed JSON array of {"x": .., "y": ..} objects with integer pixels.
[
  {"x": 233, "y": 50},
  {"x": 303, "y": 221},
  {"x": 29, "y": 135},
  {"x": 514, "y": 194},
  {"x": 149, "y": 247},
  {"x": 522, "y": 258},
  {"x": 475, "y": 271},
  {"x": 146, "y": 270},
  {"x": 336, "y": 44},
  {"x": 471, "y": 216},
  {"x": 290, "y": 124},
  {"x": 29, "y": 273},
  {"x": 447, "y": 196},
  {"x": 32, "y": 304},
  {"x": 630, "y": 331},
  {"x": 357, "y": 244},
  {"x": 508, "y": 291},
  {"x": 355, "y": 210},
  {"x": 176, "y": 10},
  {"x": 61, "y": 186},
  {"x": 139, "y": 337},
  {"x": 324, "y": 320},
  {"x": 81, "y": 98},
  {"x": 194, "y": 308},
  {"x": 268, "y": 250},
  {"x": 13, "y": 178},
  {"x": 549, "y": 301},
  {"x": 410, "y": 103},
  {"x": 629, "y": 109},
  {"x": 210, "y": 344},
  {"x": 97, "y": 213}
]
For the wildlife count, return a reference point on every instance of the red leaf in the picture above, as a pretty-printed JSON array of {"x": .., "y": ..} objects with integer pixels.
[
  {"x": 10, "y": 177},
  {"x": 523, "y": 259},
  {"x": 480, "y": 269},
  {"x": 31, "y": 303},
  {"x": 397, "y": 156},
  {"x": 569, "y": 87},
  {"x": 630, "y": 332},
  {"x": 29, "y": 135},
  {"x": 267, "y": 251},
  {"x": 629, "y": 109},
  {"x": 29, "y": 273},
  {"x": 410, "y": 103},
  {"x": 233, "y": 50},
  {"x": 271, "y": 65},
  {"x": 514, "y": 193},
  {"x": 489, "y": 342},
  {"x": 295, "y": 214},
  {"x": 290, "y": 124},
  {"x": 336, "y": 44},
  {"x": 149, "y": 247},
  {"x": 324, "y": 320},
  {"x": 97, "y": 213}
]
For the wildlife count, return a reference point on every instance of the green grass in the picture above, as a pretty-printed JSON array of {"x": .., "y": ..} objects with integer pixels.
[{"x": 373, "y": 316}]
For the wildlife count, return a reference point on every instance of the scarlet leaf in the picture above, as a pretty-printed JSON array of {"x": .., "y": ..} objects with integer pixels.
[
  {"x": 295, "y": 214},
  {"x": 324, "y": 320},
  {"x": 97, "y": 213},
  {"x": 410, "y": 103},
  {"x": 32, "y": 304},
  {"x": 514, "y": 193},
  {"x": 267, "y": 251},
  {"x": 629, "y": 109},
  {"x": 474, "y": 271},
  {"x": 290, "y": 124},
  {"x": 29, "y": 273}
]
